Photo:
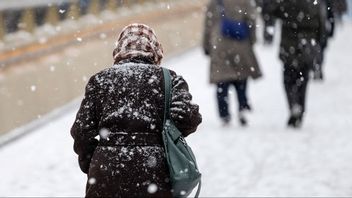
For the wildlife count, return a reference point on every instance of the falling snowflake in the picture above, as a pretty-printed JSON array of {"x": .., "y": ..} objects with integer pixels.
[
  {"x": 102, "y": 36},
  {"x": 152, "y": 188},
  {"x": 104, "y": 134},
  {"x": 33, "y": 88},
  {"x": 52, "y": 68},
  {"x": 92, "y": 181}
]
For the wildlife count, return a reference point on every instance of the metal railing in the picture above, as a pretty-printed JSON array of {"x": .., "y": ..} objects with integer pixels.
[{"x": 30, "y": 14}]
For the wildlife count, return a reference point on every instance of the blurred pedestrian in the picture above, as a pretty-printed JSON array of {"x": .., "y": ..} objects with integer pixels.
[
  {"x": 124, "y": 107},
  {"x": 229, "y": 37},
  {"x": 327, "y": 28},
  {"x": 300, "y": 49},
  {"x": 330, "y": 23}
]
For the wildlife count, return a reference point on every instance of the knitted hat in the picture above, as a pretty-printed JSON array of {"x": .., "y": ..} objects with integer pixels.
[{"x": 138, "y": 41}]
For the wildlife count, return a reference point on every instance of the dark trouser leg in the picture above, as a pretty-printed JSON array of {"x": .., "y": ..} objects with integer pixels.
[
  {"x": 241, "y": 89},
  {"x": 269, "y": 26},
  {"x": 318, "y": 65},
  {"x": 222, "y": 96},
  {"x": 296, "y": 81},
  {"x": 302, "y": 89}
]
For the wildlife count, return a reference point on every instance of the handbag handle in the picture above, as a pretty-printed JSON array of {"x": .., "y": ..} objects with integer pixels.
[
  {"x": 167, "y": 90},
  {"x": 167, "y": 102},
  {"x": 222, "y": 8},
  {"x": 168, "y": 93}
]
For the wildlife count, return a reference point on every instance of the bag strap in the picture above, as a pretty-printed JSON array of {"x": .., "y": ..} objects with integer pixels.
[
  {"x": 175, "y": 135},
  {"x": 167, "y": 90},
  {"x": 198, "y": 190},
  {"x": 222, "y": 8},
  {"x": 167, "y": 102}
]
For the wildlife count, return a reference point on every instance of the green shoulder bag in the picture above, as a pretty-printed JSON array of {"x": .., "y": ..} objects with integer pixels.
[{"x": 184, "y": 173}]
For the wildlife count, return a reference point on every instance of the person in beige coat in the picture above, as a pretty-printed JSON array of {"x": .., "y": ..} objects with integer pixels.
[{"x": 232, "y": 58}]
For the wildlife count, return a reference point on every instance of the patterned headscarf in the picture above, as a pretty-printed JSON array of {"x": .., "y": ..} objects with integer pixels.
[{"x": 138, "y": 41}]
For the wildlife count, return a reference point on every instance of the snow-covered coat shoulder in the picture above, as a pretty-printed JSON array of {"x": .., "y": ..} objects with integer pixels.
[{"x": 124, "y": 106}]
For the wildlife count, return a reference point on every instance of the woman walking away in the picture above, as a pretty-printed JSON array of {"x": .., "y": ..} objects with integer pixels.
[
  {"x": 124, "y": 107},
  {"x": 228, "y": 39}
]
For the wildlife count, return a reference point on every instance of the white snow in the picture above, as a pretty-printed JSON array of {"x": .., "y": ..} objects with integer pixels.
[{"x": 264, "y": 159}]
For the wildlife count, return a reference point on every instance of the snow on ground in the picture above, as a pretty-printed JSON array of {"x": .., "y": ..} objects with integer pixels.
[{"x": 264, "y": 159}]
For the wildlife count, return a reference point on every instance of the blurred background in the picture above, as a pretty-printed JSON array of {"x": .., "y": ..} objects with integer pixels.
[
  {"x": 50, "y": 48},
  {"x": 42, "y": 61}
]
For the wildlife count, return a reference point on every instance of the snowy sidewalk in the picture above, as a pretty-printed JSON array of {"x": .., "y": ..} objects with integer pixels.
[{"x": 265, "y": 159}]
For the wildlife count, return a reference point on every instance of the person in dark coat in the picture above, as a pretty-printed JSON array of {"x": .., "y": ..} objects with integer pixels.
[
  {"x": 327, "y": 30},
  {"x": 232, "y": 61},
  {"x": 330, "y": 23},
  {"x": 117, "y": 131},
  {"x": 300, "y": 49}
]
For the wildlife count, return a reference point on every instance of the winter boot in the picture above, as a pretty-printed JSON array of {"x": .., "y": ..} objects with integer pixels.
[
  {"x": 246, "y": 107},
  {"x": 295, "y": 122},
  {"x": 318, "y": 75},
  {"x": 226, "y": 121},
  {"x": 242, "y": 118}
]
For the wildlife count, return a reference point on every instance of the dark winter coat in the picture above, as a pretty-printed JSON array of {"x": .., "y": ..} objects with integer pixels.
[
  {"x": 302, "y": 30},
  {"x": 230, "y": 59},
  {"x": 124, "y": 106}
]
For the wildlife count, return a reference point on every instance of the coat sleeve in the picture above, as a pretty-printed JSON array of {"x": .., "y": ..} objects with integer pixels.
[
  {"x": 85, "y": 127},
  {"x": 209, "y": 23},
  {"x": 271, "y": 9},
  {"x": 183, "y": 112},
  {"x": 323, "y": 18},
  {"x": 331, "y": 18}
]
